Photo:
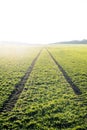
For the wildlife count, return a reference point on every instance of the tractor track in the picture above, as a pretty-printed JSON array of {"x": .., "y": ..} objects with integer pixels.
[
  {"x": 68, "y": 79},
  {"x": 9, "y": 104}
]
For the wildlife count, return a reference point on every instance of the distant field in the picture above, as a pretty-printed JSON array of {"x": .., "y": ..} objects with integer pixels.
[{"x": 43, "y": 88}]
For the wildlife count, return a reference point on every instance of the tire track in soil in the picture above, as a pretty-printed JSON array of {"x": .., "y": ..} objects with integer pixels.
[
  {"x": 9, "y": 104},
  {"x": 68, "y": 79}
]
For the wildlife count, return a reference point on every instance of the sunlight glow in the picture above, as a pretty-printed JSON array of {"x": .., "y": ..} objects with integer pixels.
[{"x": 43, "y": 21}]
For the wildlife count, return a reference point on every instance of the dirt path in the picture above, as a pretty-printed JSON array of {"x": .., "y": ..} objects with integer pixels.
[
  {"x": 9, "y": 104},
  {"x": 68, "y": 79}
]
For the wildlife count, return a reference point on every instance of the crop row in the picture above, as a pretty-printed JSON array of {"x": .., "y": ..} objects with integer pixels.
[
  {"x": 14, "y": 62},
  {"x": 74, "y": 60},
  {"x": 47, "y": 102}
]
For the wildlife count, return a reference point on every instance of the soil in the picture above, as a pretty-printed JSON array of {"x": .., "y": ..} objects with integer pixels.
[
  {"x": 68, "y": 79},
  {"x": 9, "y": 104}
]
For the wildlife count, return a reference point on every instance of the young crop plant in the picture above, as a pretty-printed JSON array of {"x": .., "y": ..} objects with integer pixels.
[
  {"x": 13, "y": 66},
  {"x": 73, "y": 59},
  {"x": 47, "y": 101}
]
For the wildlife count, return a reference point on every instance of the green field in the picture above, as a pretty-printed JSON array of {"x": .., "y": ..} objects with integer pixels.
[{"x": 43, "y": 88}]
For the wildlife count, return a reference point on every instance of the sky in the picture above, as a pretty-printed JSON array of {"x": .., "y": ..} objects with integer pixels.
[{"x": 43, "y": 21}]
